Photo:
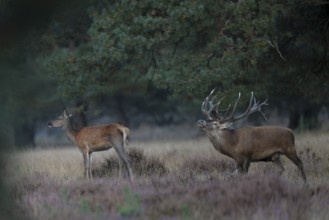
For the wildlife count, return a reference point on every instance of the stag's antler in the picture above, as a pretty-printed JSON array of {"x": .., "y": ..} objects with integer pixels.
[
  {"x": 208, "y": 108},
  {"x": 212, "y": 110},
  {"x": 254, "y": 106}
]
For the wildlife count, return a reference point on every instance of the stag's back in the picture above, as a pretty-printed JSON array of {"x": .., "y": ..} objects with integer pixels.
[{"x": 265, "y": 140}]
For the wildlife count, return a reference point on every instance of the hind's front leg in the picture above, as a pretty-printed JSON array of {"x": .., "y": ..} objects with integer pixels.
[{"x": 86, "y": 160}]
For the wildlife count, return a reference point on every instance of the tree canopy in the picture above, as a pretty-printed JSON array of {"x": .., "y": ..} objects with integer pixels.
[
  {"x": 176, "y": 49},
  {"x": 191, "y": 46}
]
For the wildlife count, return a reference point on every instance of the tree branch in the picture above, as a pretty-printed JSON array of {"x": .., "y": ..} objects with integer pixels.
[{"x": 275, "y": 45}]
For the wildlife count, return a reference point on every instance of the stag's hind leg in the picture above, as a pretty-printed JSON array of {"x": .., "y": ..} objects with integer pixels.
[
  {"x": 276, "y": 161},
  {"x": 294, "y": 158}
]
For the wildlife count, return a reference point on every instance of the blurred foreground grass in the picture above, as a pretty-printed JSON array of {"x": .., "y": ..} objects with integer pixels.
[{"x": 173, "y": 180}]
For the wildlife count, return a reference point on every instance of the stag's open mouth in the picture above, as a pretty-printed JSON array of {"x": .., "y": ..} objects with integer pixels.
[{"x": 201, "y": 124}]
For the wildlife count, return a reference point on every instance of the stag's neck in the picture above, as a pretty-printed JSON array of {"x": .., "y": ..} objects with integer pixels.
[
  {"x": 224, "y": 140},
  {"x": 69, "y": 131}
]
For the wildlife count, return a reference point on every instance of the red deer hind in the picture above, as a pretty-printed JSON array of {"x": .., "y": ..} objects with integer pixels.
[
  {"x": 250, "y": 143},
  {"x": 96, "y": 138}
]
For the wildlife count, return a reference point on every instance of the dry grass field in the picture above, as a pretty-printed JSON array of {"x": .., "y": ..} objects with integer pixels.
[{"x": 173, "y": 180}]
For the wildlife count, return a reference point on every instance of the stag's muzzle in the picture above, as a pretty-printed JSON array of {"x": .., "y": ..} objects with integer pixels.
[{"x": 201, "y": 124}]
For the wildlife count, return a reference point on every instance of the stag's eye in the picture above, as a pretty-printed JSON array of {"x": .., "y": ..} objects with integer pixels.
[{"x": 215, "y": 123}]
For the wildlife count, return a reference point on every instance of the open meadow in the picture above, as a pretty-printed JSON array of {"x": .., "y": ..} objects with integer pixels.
[{"x": 185, "y": 179}]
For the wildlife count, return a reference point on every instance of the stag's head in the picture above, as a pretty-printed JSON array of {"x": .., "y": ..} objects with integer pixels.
[
  {"x": 60, "y": 121},
  {"x": 218, "y": 118}
]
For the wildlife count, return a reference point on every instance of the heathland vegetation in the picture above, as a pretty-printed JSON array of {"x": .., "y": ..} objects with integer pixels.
[{"x": 173, "y": 180}]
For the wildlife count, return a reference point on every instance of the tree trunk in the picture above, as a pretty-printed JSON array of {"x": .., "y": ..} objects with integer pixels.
[
  {"x": 121, "y": 110},
  {"x": 304, "y": 116},
  {"x": 310, "y": 117},
  {"x": 24, "y": 134},
  {"x": 294, "y": 117}
]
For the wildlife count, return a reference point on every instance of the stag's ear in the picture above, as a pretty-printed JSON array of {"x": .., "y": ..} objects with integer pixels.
[{"x": 225, "y": 125}]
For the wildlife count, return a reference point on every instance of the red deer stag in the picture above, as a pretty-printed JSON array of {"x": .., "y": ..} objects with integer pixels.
[
  {"x": 96, "y": 138},
  {"x": 250, "y": 143}
]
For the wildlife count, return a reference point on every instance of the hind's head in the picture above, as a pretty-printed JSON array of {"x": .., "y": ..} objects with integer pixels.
[{"x": 60, "y": 121}]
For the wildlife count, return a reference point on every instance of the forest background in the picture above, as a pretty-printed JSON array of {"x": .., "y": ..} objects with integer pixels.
[{"x": 153, "y": 62}]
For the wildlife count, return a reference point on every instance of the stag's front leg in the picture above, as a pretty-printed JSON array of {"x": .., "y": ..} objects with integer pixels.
[
  {"x": 239, "y": 168},
  {"x": 242, "y": 165},
  {"x": 246, "y": 164}
]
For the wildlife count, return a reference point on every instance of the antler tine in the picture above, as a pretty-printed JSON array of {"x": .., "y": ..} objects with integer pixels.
[
  {"x": 233, "y": 110},
  {"x": 217, "y": 105},
  {"x": 258, "y": 107},
  {"x": 226, "y": 111},
  {"x": 252, "y": 103},
  {"x": 212, "y": 110},
  {"x": 207, "y": 102},
  {"x": 254, "y": 106}
]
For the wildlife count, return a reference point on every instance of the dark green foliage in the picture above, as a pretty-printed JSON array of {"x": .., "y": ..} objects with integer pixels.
[
  {"x": 190, "y": 47},
  {"x": 27, "y": 96},
  {"x": 131, "y": 206},
  {"x": 185, "y": 46},
  {"x": 57, "y": 54}
]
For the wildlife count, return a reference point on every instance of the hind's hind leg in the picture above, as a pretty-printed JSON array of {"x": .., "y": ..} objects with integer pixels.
[{"x": 119, "y": 147}]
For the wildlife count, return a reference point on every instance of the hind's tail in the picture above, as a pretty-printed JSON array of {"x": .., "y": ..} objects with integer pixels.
[{"x": 125, "y": 136}]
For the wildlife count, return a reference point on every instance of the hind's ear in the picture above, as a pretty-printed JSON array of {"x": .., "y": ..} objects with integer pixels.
[{"x": 66, "y": 114}]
